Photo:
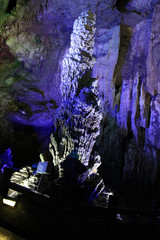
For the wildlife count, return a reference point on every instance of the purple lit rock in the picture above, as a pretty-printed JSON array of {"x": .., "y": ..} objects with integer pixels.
[
  {"x": 106, "y": 53},
  {"x": 154, "y": 130},
  {"x": 77, "y": 123},
  {"x": 142, "y": 6},
  {"x": 88, "y": 69},
  {"x": 153, "y": 62},
  {"x": 133, "y": 94},
  {"x": 78, "y": 118}
]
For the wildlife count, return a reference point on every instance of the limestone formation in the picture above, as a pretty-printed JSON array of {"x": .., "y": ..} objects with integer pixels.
[
  {"x": 77, "y": 123},
  {"x": 137, "y": 111},
  {"x": 25, "y": 177},
  {"x": 55, "y": 55}
]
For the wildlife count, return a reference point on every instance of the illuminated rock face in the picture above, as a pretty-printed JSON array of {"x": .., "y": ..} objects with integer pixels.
[
  {"x": 47, "y": 63},
  {"x": 131, "y": 112},
  {"x": 139, "y": 103},
  {"x": 77, "y": 124}
]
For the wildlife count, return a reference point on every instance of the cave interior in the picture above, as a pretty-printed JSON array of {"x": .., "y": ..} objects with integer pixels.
[{"x": 80, "y": 99}]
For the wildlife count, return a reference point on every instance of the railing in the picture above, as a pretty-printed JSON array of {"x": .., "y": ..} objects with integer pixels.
[
  {"x": 97, "y": 219},
  {"x": 150, "y": 216}
]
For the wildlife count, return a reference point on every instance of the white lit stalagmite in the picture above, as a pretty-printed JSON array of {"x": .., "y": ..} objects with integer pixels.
[{"x": 77, "y": 123}]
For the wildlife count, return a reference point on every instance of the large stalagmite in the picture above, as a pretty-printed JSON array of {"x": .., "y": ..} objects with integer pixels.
[{"x": 77, "y": 123}]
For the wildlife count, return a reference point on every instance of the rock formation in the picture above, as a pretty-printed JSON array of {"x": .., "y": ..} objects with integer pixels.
[
  {"x": 77, "y": 123},
  {"x": 58, "y": 65},
  {"x": 132, "y": 108}
]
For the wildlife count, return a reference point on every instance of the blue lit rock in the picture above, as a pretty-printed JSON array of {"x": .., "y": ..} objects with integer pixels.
[
  {"x": 130, "y": 127},
  {"x": 106, "y": 53},
  {"x": 77, "y": 123},
  {"x": 153, "y": 61},
  {"x": 142, "y": 6},
  {"x": 138, "y": 86},
  {"x": 29, "y": 51},
  {"x": 118, "y": 63},
  {"x": 78, "y": 118},
  {"x": 154, "y": 130},
  {"x": 134, "y": 77}
]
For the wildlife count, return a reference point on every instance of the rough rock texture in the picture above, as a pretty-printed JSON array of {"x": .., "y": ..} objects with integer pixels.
[
  {"x": 33, "y": 76},
  {"x": 36, "y": 35},
  {"x": 24, "y": 178},
  {"x": 106, "y": 53},
  {"x": 77, "y": 123},
  {"x": 132, "y": 126}
]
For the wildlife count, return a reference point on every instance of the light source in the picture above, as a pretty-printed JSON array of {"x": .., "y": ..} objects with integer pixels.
[{"x": 9, "y": 202}]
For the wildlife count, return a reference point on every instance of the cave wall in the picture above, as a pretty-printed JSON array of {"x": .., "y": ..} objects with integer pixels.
[
  {"x": 129, "y": 140},
  {"x": 34, "y": 41}
]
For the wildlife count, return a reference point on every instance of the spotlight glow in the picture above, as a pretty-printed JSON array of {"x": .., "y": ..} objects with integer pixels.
[{"x": 9, "y": 202}]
